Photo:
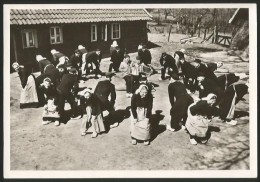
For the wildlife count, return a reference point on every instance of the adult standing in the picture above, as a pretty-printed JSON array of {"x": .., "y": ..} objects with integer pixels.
[
  {"x": 167, "y": 62},
  {"x": 180, "y": 101},
  {"x": 67, "y": 90},
  {"x": 28, "y": 96},
  {"x": 113, "y": 46},
  {"x": 145, "y": 56},
  {"x": 131, "y": 74},
  {"x": 141, "y": 107},
  {"x": 117, "y": 57}
]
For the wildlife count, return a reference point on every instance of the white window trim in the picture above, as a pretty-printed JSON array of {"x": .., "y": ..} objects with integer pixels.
[
  {"x": 113, "y": 30},
  {"x": 34, "y": 38},
  {"x": 104, "y": 33},
  {"x": 55, "y": 34},
  {"x": 93, "y": 25}
]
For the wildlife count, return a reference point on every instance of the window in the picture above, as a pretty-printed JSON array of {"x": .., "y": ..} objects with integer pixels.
[
  {"x": 29, "y": 38},
  {"x": 104, "y": 32},
  {"x": 56, "y": 35},
  {"x": 93, "y": 32},
  {"x": 115, "y": 31}
]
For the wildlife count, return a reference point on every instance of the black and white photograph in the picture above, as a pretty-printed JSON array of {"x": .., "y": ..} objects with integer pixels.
[{"x": 130, "y": 91}]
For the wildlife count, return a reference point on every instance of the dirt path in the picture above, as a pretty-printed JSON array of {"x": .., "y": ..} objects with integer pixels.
[{"x": 38, "y": 147}]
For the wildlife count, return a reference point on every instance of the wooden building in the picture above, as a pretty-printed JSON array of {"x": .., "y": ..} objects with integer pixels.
[{"x": 37, "y": 31}]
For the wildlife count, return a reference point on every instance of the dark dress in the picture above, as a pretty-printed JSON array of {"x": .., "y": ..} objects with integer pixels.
[
  {"x": 189, "y": 74},
  {"x": 226, "y": 80},
  {"x": 168, "y": 62},
  {"x": 42, "y": 64},
  {"x": 67, "y": 90},
  {"x": 208, "y": 73},
  {"x": 210, "y": 86},
  {"x": 180, "y": 101},
  {"x": 141, "y": 110},
  {"x": 116, "y": 58},
  {"x": 233, "y": 94},
  {"x": 93, "y": 58},
  {"x": 146, "y": 57},
  {"x": 102, "y": 91}
]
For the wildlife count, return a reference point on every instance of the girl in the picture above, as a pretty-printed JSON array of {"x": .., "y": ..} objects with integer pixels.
[{"x": 91, "y": 104}]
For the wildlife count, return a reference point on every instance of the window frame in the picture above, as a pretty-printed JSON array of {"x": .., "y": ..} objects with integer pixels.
[
  {"x": 104, "y": 32},
  {"x": 119, "y": 31},
  {"x": 91, "y": 33},
  {"x": 26, "y": 43},
  {"x": 55, "y": 35}
]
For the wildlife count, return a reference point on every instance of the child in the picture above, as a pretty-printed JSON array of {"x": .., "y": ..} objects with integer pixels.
[{"x": 50, "y": 112}]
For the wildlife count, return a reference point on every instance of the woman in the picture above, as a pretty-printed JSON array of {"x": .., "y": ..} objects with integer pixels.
[
  {"x": 199, "y": 116},
  {"x": 131, "y": 74},
  {"x": 141, "y": 107},
  {"x": 232, "y": 95},
  {"x": 91, "y": 104},
  {"x": 29, "y": 97}
]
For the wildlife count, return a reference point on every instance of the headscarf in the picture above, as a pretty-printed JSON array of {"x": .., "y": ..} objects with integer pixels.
[
  {"x": 82, "y": 93},
  {"x": 209, "y": 97},
  {"x": 140, "y": 88}
]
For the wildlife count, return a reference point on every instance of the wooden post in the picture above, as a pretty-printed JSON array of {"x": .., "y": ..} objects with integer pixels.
[
  {"x": 169, "y": 33},
  {"x": 205, "y": 34},
  {"x": 199, "y": 30},
  {"x": 15, "y": 50}
]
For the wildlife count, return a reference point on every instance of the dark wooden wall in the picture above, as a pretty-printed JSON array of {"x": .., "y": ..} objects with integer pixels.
[{"x": 132, "y": 34}]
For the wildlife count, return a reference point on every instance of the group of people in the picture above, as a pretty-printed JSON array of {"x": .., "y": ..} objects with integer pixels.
[{"x": 60, "y": 77}]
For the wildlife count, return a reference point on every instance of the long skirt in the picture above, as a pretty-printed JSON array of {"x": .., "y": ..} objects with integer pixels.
[
  {"x": 228, "y": 102},
  {"x": 92, "y": 123},
  {"x": 141, "y": 130},
  {"x": 29, "y": 96},
  {"x": 196, "y": 125}
]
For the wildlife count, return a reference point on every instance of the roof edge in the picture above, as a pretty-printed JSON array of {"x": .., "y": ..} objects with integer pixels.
[
  {"x": 234, "y": 15},
  {"x": 147, "y": 13}
]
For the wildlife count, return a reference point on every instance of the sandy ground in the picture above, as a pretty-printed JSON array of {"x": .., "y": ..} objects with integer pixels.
[{"x": 38, "y": 147}]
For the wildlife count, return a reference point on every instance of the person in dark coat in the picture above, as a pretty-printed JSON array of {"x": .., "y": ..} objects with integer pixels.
[
  {"x": 180, "y": 101},
  {"x": 67, "y": 90},
  {"x": 145, "y": 56},
  {"x": 207, "y": 86},
  {"x": 233, "y": 94},
  {"x": 75, "y": 59},
  {"x": 47, "y": 70},
  {"x": 226, "y": 80},
  {"x": 188, "y": 72},
  {"x": 202, "y": 68},
  {"x": 103, "y": 91},
  {"x": 117, "y": 56},
  {"x": 167, "y": 62},
  {"x": 43, "y": 62},
  {"x": 93, "y": 57},
  {"x": 58, "y": 58}
]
